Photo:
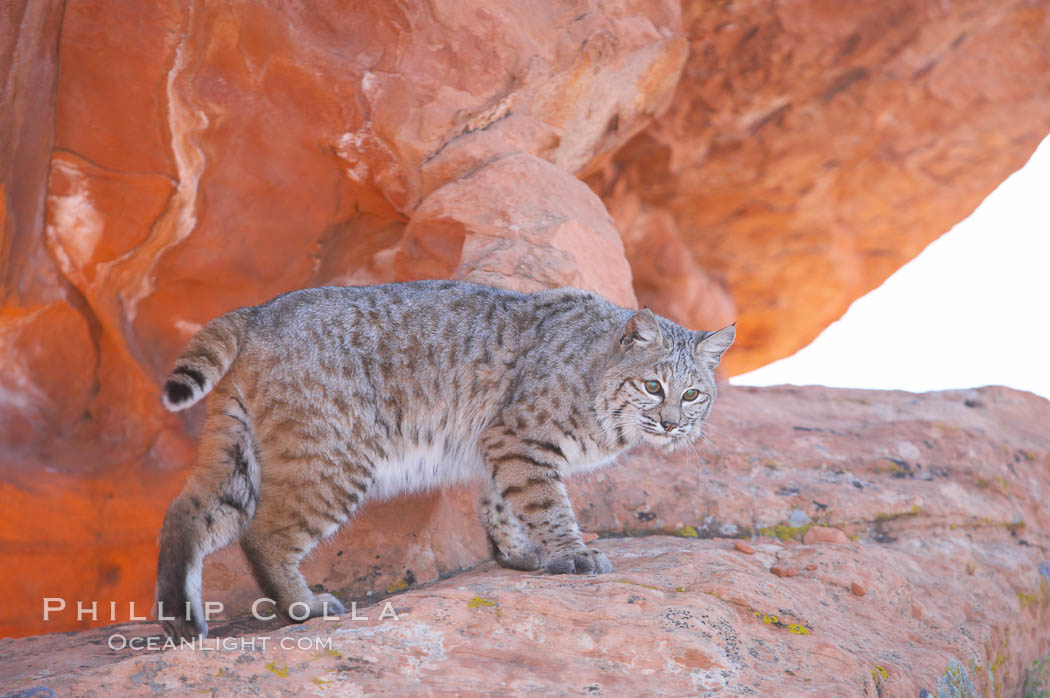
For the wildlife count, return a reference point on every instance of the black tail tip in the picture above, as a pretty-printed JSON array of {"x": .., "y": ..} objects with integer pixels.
[{"x": 177, "y": 392}]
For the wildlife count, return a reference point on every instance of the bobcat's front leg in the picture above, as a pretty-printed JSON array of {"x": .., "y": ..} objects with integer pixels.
[
  {"x": 513, "y": 548},
  {"x": 527, "y": 479}
]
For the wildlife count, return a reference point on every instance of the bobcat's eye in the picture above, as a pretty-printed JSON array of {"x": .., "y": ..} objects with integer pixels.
[
  {"x": 653, "y": 387},
  {"x": 690, "y": 394}
]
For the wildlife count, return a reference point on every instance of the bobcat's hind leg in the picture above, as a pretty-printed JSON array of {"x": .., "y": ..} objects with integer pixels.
[
  {"x": 298, "y": 508},
  {"x": 217, "y": 502}
]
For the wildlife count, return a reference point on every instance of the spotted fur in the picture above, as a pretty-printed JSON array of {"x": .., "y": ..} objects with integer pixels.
[{"x": 324, "y": 399}]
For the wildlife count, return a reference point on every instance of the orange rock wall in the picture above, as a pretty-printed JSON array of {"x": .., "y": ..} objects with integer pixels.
[
  {"x": 164, "y": 162},
  {"x": 813, "y": 147}
]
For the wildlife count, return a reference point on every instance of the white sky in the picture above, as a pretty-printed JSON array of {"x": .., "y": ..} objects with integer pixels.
[{"x": 972, "y": 309}]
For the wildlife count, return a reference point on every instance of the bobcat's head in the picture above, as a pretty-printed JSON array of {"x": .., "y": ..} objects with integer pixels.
[{"x": 662, "y": 386}]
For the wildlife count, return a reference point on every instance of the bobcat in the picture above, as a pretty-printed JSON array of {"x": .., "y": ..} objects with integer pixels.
[{"x": 324, "y": 399}]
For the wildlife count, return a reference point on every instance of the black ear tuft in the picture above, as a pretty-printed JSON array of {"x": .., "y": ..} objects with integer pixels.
[
  {"x": 641, "y": 329},
  {"x": 177, "y": 392}
]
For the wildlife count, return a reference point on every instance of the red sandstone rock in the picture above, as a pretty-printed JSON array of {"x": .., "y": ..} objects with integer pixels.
[
  {"x": 857, "y": 589},
  {"x": 813, "y": 147},
  {"x": 197, "y": 157},
  {"x": 745, "y": 548},
  {"x": 823, "y": 534},
  {"x": 370, "y": 556},
  {"x": 163, "y": 162},
  {"x": 687, "y": 616},
  {"x": 518, "y": 221},
  {"x": 917, "y": 535},
  {"x": 667, "y": 276},
  {"x": 783, "y": 571},
  {"x": 29, "y": 31}
]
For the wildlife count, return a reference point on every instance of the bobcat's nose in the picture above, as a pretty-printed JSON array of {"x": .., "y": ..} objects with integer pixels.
[{"x": 667, "y": 425}]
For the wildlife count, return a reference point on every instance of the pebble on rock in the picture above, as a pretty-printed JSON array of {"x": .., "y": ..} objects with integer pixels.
[{"x": 824, "y": 534}]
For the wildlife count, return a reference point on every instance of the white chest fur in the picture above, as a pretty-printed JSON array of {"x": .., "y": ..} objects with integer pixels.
[
  {"x": 587, "y": 457},
  {"x": 423, "y": 467}
]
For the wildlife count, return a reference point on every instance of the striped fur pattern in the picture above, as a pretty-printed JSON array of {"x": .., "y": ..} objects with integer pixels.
[{"x": 324, "y": 399}]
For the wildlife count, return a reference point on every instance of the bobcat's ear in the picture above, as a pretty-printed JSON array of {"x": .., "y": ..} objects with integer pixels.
[
  {"x": 642, "y": 329},
  {"x": 711, "y": 345}
]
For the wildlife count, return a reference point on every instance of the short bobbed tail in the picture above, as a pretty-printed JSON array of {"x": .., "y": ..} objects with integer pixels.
[{"x": 206, "y": 360}]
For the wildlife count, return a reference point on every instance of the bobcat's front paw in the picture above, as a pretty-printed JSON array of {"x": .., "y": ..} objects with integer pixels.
[
  {"x": 527, "y": 559},
  {"x": 587, "y": 561}
]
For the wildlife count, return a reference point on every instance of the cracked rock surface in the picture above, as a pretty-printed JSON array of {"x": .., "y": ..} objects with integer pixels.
[{"x": 926, "y": 567}]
